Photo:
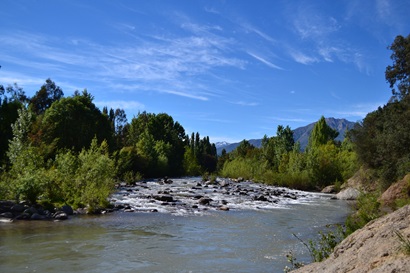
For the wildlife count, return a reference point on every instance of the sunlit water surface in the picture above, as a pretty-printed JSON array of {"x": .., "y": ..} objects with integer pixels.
[{"x": 242, "y": 240}]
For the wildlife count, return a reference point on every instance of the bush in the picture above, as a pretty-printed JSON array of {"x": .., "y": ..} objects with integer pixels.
[{"x": 368, "y": 209}]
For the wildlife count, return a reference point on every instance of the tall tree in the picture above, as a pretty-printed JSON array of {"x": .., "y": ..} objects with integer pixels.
[
  {"x": 12, "y": 98},
  {"x": 398, "y": 74},
  {"x": 48, "y": 93},
  {"x": 321, "y": 134},
  {"x": 73, "y": 122}
]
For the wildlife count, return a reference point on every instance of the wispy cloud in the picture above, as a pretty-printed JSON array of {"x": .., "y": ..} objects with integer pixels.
[
  {"x": 244, "y": 103},
  {"x": 157, "y": 64},
  {"x": 263, "y": 60},
  {"x": 301, "y": 57},
  {"x": 126, "y": 105},
  {"x": 250, "y": 28}
]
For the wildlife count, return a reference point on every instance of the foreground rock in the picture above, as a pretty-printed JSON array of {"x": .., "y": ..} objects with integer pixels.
[{"x": 374, "y": 248}]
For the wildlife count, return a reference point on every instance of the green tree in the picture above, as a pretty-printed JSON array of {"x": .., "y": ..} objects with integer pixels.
[
  {"x": 321, "y": 134},
  {"x": 397, "y": 74},
  {"x": 72, "y": 123},
  {"x": 44, "y": 98},
  {"x": 12, "y": 98}
]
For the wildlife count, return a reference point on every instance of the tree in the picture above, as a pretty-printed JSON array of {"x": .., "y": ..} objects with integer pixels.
[
  {"x": 73, "y": 122},
  {"x": 12, "y": 98},
  {"x": 321, "y": 134},
  {"x": 397, "y": 75},
  {"x": 48, "y": 93}
]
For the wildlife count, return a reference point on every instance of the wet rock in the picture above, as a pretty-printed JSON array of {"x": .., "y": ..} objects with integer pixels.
[
  {"x": 290, "y": 196},
  {"x": 60, "y": 215},
  {"x": 18, "y": 208},
  {"x": 36, "y": 216},
  {"x": 31, "y": 210},
  {"x": 7, "y": 214},
  {"x": 67, "y": 209},
  {"x": 164, "y": 197},
  {"x": 204, "y": 201},
  {"x": 260, "y": 198},
  {"x": 224, "y": 208},
  {"x": 23, "y": 216}
]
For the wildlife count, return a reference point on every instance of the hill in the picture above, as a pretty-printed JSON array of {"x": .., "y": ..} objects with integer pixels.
[{"x": 300, "y": 134}]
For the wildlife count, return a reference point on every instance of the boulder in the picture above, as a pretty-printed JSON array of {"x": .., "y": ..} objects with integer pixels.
[
  {"x": 204, "y": 201},
  {"x": 18, "y": 208},
  {"x": 329, "y": 189},
  {"x": 7, "y": 214},
  {"x": 36, "y": 216},
  {"x": 348, "y": 194},
  {"x": 67, "y": 209},
  {"x": 60, "y": 215},
  {"x": 374, "y": 248},
  {"x": 164, "y": 198}
]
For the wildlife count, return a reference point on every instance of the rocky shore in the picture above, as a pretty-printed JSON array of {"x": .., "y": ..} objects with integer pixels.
[
  {"x": 375, "y": 248},
  {"x": 11, "y": 211}
]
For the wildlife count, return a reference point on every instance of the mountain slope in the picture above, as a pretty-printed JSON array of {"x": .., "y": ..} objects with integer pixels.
[{"x": 300, "y": 134}]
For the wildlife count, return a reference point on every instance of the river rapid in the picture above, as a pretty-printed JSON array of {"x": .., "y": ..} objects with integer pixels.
[{"x": 178, "y": 234}]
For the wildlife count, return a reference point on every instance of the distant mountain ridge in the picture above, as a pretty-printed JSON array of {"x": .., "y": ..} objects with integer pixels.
[{"x": 300, "y": 134}]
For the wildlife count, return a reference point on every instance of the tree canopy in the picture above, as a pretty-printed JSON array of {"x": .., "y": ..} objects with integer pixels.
[{"x": 398, "y": 74}]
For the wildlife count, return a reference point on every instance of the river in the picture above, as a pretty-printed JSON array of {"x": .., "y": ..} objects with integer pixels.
[{"x": 244, "y": 239}]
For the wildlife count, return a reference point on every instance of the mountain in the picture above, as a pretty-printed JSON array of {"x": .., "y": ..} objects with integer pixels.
[{"x": 300, "y": 134}]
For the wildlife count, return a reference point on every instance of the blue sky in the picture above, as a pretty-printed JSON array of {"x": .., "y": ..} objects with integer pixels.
[{"x": 229, "y": 69}]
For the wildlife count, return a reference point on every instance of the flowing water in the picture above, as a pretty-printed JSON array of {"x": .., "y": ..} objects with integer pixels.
[{"x": 247, "y": 238}]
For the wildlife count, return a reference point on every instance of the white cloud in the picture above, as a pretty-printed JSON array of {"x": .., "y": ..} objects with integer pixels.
[
  {"x": 126, "y": 105},
  {"x": 301, "y": 57},
  {"x": 266, "y": 62},
  {"x": 244, "y": 103}
]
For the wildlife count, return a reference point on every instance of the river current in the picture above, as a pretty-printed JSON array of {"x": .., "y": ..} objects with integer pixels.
[{"x": 250, "y": 237}]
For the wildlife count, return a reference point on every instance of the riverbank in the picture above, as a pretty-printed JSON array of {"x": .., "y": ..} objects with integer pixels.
[{"x": 374, "y": 248}]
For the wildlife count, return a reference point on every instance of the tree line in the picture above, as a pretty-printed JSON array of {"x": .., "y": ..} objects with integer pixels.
[{"x": 65, "y": 149}]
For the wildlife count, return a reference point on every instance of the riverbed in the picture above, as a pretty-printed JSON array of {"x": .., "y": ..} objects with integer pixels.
[{"x": 249, "y": 237}]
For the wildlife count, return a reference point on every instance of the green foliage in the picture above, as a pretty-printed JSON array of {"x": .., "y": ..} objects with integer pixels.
[
  {"x": 95, "y": 176},
  {"x": 321, "y": 248},
  {"x": 398, "y": 74},
  {"x": 381, "y": 141},
  {"x": 321, "y": 134},
  {"x": 72, "y": 123},
  {"x": 44, "y": 98},
  {"x": 367, "y": 209},
  {"x": 26, "y": 175},
  {"x": 293, "y": 262},
  {"x": 191, "y": 164},
  {"x": 280, "y": 161}
]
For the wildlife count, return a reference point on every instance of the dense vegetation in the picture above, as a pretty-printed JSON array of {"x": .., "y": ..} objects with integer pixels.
[
  {"x": 281, "y": 162},
  {"x": 65, "y": 150}
]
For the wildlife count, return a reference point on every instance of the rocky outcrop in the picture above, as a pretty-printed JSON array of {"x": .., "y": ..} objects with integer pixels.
[
  {"x": 374, "y": 248},
  {"x": 348, "y": 194},
  {"x": 398, "y": 190}
]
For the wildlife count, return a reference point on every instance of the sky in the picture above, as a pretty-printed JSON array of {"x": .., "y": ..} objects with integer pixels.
[{"x": 228, "y": 69}]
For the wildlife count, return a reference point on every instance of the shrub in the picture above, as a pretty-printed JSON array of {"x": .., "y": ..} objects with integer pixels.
[{"x": 368, "y": 209}]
